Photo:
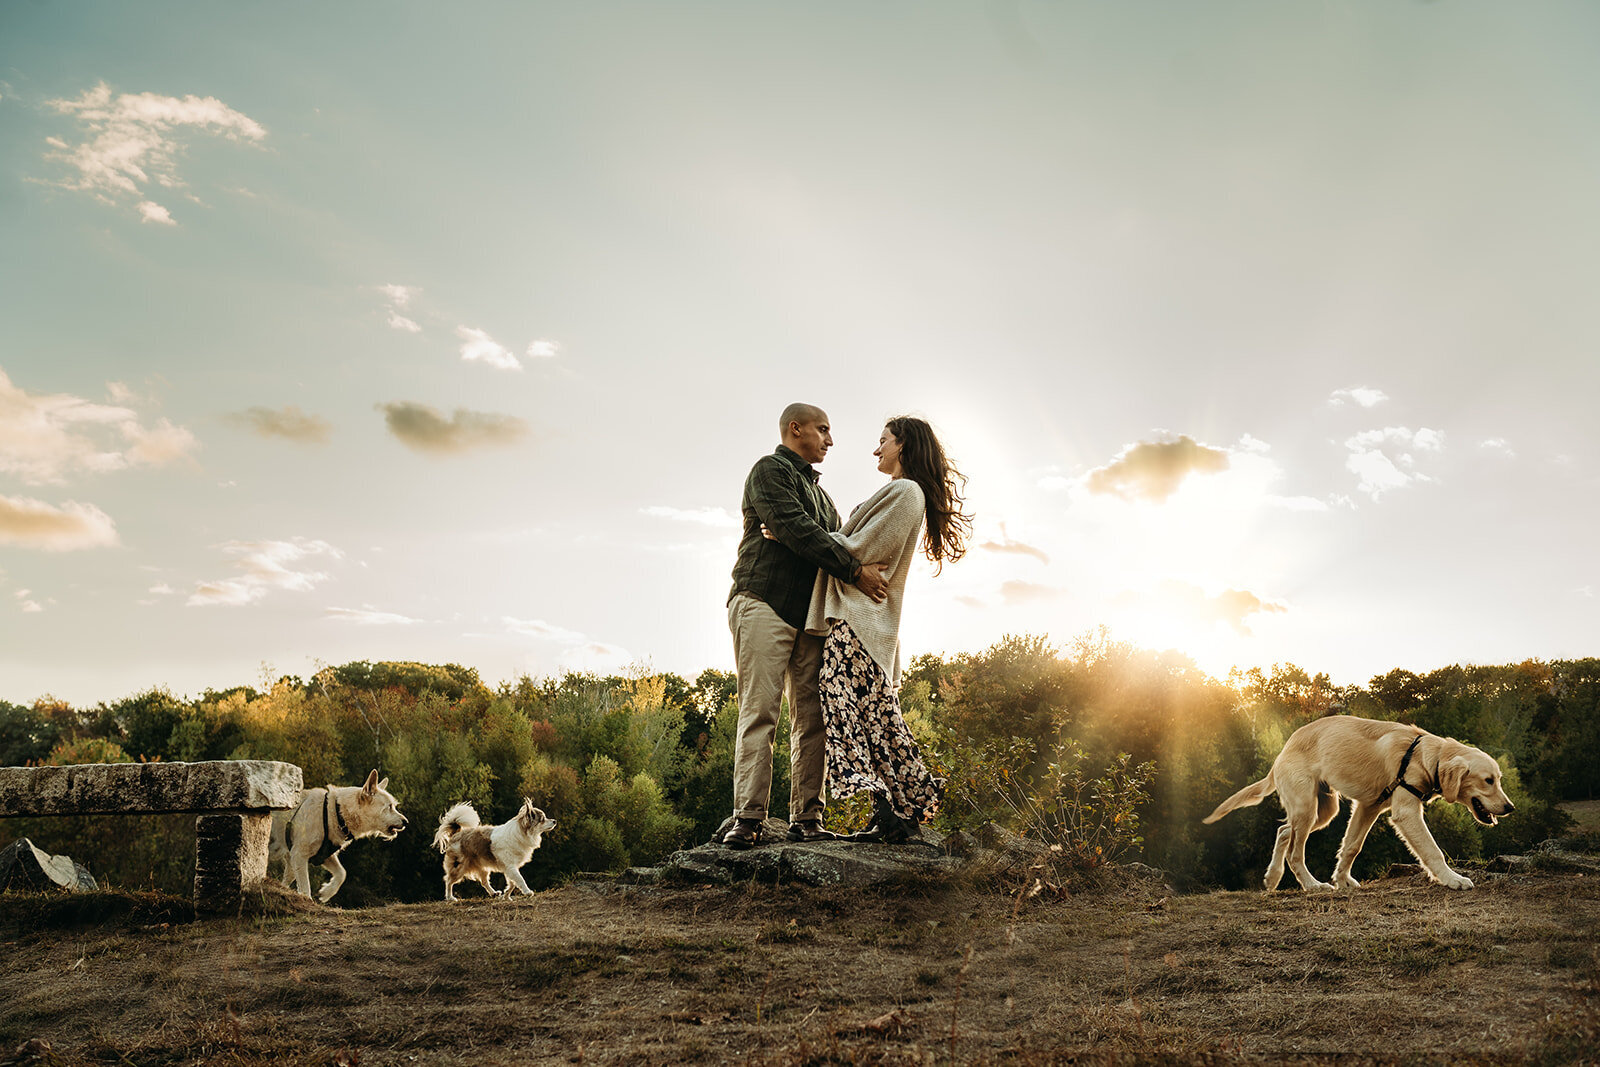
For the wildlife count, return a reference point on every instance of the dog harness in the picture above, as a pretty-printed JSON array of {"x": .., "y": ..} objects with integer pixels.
[
  {"x": 1400, "y": 778},
  {"x": 327, "y": 848}
]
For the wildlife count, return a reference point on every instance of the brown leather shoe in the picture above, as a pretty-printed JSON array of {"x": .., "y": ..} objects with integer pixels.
[
  {"x": 743, "y": 834},
  {"x": 810, "y": 830}
]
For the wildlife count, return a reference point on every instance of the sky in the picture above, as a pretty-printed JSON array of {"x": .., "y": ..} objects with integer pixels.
[{"x": 1264, "y": 332}]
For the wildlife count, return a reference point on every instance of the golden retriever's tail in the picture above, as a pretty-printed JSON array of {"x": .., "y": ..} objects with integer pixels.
[
  {"x": 1248, "y": 797},
  {"x": 455, "y": 820}
]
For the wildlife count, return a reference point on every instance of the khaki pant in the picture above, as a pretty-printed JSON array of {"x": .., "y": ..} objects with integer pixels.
[{"x": 769, "y": 653}]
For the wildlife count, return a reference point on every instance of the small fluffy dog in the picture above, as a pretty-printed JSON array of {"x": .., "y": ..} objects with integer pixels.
[
  {"x": 324, "y": 823},
  {"x": 1381, "y": 766},
  {"x": 472, "y": 850}
]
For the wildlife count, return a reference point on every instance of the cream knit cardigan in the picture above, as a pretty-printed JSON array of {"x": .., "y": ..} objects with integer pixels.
[{"x": 882, "y": 529}]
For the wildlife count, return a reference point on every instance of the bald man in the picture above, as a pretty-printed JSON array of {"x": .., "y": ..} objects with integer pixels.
[{"x": 772, "y": 584}]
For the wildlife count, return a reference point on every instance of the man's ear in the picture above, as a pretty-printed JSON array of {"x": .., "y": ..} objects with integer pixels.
[{"x": 1452, "y": 776}]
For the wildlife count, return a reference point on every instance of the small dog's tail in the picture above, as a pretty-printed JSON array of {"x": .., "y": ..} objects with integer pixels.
[
  {"x": 455, "y": 820},
  {"x": 1248, "y": 797}
]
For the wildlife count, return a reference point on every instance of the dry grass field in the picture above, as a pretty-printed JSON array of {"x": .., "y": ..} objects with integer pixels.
[{"x": 1399, "y": 972}]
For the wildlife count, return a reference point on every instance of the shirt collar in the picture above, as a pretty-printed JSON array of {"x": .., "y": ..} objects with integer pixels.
[{"x": 799, "y": 464}]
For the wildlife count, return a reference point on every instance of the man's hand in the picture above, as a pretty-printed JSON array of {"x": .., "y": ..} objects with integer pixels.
[{"x": 871, "y": 582}]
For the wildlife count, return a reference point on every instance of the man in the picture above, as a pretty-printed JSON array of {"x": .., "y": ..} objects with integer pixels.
[{"x": 772, "y": 584}]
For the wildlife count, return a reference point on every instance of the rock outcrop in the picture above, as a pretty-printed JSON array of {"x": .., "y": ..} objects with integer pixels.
[{"x": 23, "y": 865}]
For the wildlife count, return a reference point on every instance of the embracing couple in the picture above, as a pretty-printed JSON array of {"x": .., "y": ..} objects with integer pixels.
[{"x": 815, "y": 608}]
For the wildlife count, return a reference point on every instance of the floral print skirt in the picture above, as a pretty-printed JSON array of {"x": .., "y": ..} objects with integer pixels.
[{"x": 869, "y": 746}]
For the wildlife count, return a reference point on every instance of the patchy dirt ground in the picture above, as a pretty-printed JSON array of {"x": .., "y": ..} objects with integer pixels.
[{"x": 593, "y": 973}]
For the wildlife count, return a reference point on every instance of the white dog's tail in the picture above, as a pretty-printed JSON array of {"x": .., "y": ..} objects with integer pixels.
[
  {"x": 1248, "y": 797},
  {"x": 457, "y": 819}
]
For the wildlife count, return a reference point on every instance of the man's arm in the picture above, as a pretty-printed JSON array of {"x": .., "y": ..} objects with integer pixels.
[{"x": 775, "y": 496}]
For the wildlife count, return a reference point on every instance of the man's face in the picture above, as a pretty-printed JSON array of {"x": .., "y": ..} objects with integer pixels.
[{"x": 811, "y": 439}]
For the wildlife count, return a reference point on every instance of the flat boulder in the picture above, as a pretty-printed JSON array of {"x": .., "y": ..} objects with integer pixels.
[
  {"x": 149, "y": 788},
  {"x": 23, "y": 865},
  {"x": 849, "y": 864}
]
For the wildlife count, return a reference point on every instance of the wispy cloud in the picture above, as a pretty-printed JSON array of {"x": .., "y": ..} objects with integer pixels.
[
  {"x": 288, "y": 423},
  {"x": 369, "y": 616},
  {"x": 1231, "y": 606},
  {"x": 1019, "y": 592},
  {"x": 1005, "y": 544},
  {"x": 1385, "y": 460},
  {"x": 1362, "y": 395},
  {"x": 578, "y": 651},
  {"x": 265, "y": 566},
  {"x": 131, "y": 141},
  {"x": 25, "y": 602},
  {"x": 423, "y": 429},
  {"x": 543, "y": 350},
  {"x": 397, "y": 297},
  {"x": 478, "y": 347},
  {"x": 1153, "y": 470},
  {"x": 718, "y": 517},
  {"x": 45, "y": 437},
  {"x": 29, "y": 523},
  {"x": 1498, "y": 445}
]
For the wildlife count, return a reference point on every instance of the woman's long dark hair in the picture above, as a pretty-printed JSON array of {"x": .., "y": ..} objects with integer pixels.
[{"x": 922, "y": 459}]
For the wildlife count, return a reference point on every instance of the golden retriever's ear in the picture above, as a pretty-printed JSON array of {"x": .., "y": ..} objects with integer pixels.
[
  {"x": 372, "y": 783},
  {"x": 1452, "y": 776}
]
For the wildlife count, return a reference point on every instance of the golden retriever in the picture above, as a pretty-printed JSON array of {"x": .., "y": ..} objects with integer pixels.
[{"x": 1381, "y": 766}]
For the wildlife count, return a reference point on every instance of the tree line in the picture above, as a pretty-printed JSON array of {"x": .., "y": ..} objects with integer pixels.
[{"x": 1111, "y": 751}]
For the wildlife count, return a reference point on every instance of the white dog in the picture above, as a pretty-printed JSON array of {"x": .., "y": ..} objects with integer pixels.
[
  {"x": 324, "y": 823},
  {"x": 1380, "y": 766},
  {"x": 472, "y": 850}
]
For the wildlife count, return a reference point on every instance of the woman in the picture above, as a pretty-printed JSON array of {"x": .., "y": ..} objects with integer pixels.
[{"x": 869, "y": 746}]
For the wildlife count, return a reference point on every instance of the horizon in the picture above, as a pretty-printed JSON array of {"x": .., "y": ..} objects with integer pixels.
[{"x": 1261, "y": 333}]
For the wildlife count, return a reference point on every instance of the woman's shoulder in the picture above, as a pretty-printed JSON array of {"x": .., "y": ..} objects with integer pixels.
[{"x": 904, "y": 489}]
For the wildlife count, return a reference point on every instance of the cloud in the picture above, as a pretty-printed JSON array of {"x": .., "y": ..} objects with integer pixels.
[
  {"x": 543, "y": 350},
  {"x": 397, "y": 297},
  {"x": 1367, "y": 398},
  {"x": 541, "y": 630},
  {"x": 150, "y": 211},
  {"x": 1231, "y": 606},
  {"x": 1006, "y": 545},
  {"x": 266, "y": 565},
  {"x": 44, "y": 437},
  {"x": 1498, "y": 445},
  {"x": 288, "y": 423},
  {"x": 478, "y": 347},
  {"x": 1019, "y": 592},
  {"x": 367, "y": 616},
  {"x": 424, "y": 429},
  {"x": 1153, "y": 470},
  {"x": 719, "y": 517},
  {"x": 29, "y": 523},
  {"x": 1385, "y": 460},
  {"x": 130, "y": 141}
]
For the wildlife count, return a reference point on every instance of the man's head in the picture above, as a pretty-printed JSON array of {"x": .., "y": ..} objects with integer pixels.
[{"x": 804, "y": 428}]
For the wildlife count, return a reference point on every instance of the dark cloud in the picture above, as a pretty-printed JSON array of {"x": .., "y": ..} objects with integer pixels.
[
  {"x": 289, "y": 423},
  {"x": 424, "y": 429},
  {"x": 1153, "y": 470}
]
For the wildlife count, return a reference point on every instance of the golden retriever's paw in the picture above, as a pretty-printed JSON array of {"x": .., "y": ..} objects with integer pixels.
[
  {"x": 1346, "y": 882},
  {"x": 1320, "y": 887},
  {"x": 1452, "y": 880}
]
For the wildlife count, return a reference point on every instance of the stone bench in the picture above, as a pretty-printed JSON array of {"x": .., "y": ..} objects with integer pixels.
[{"x": 233, "y": 799}]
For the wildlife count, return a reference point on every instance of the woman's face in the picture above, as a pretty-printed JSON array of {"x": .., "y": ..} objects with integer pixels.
[{"x": 888, "y": 453}]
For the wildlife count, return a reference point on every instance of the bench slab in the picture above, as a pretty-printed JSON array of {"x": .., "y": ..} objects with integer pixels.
[{"x": 217, "y": 786}]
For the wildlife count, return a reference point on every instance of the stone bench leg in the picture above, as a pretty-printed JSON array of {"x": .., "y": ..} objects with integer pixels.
[{"x": 230, "y": 853}]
